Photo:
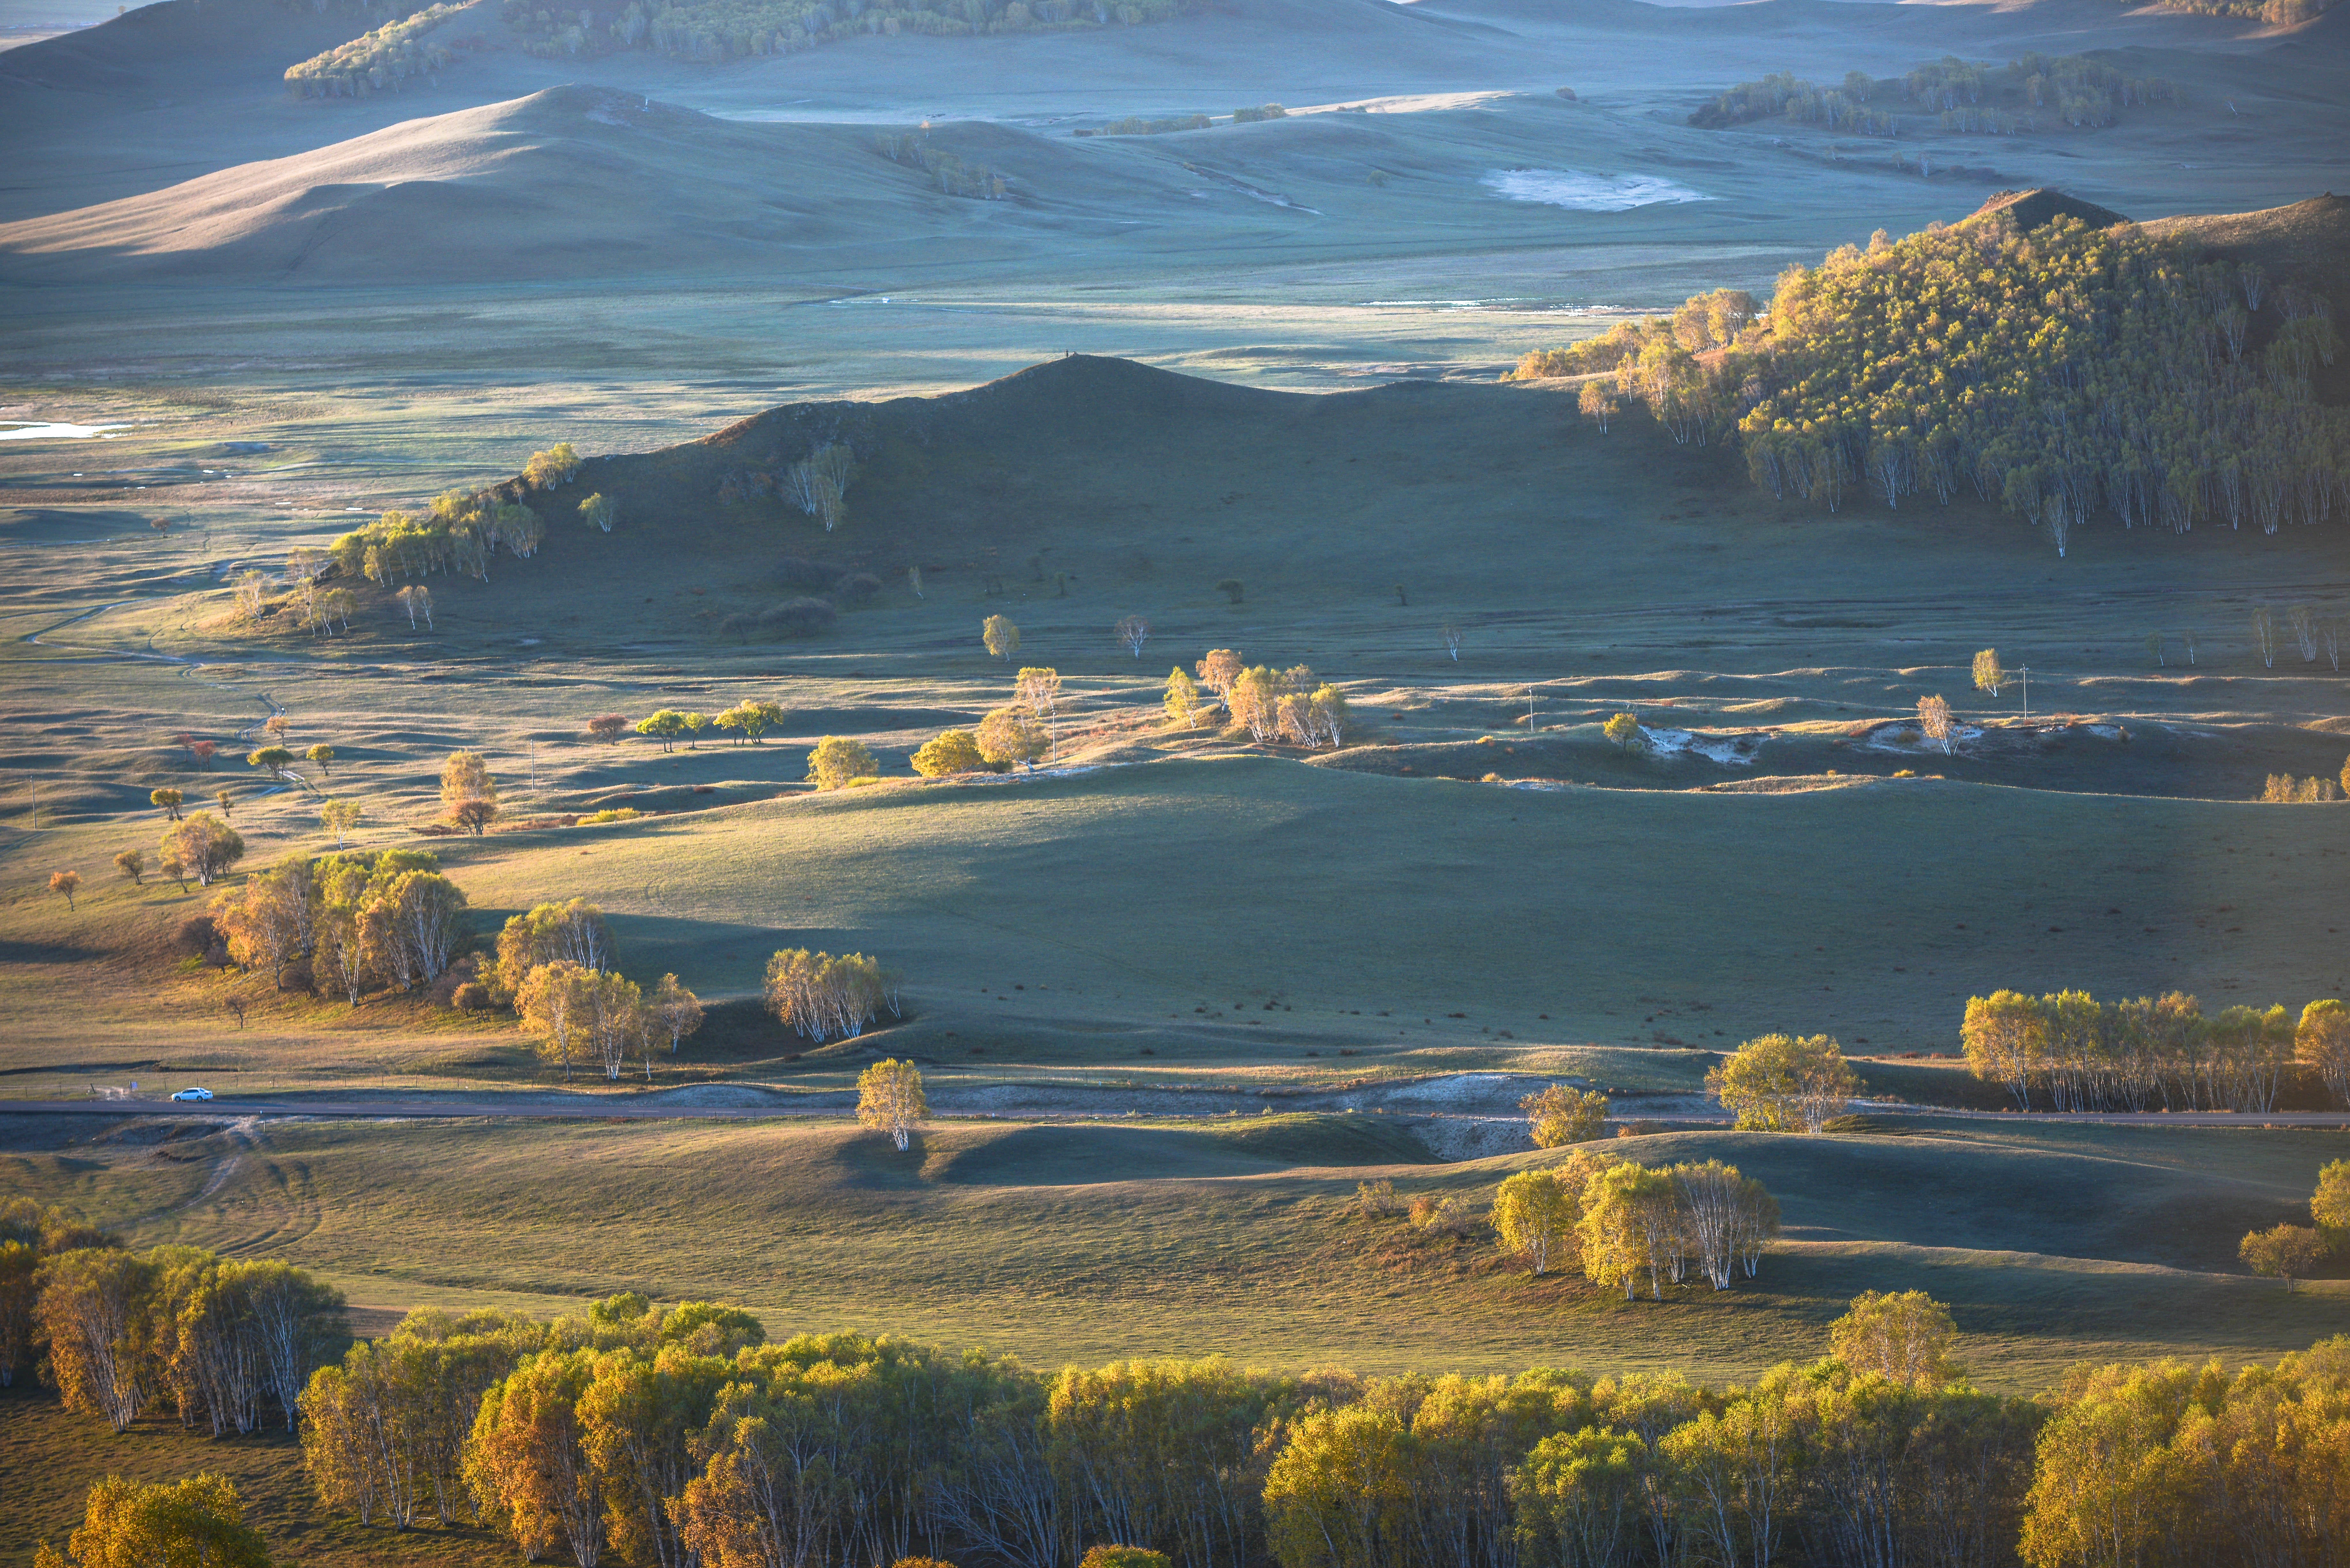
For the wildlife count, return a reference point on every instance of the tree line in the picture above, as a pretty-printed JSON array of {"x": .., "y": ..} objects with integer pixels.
[
  {"x": 676, "y": 1435},
  {"x": 1966, "y": 96},
  {"x": 715, "y": 30},
  {"x": 2057, "y": 373},
  {"x": 376, "y": 60},
  {"x": 226, "y": 1344},
  {"x": 2069, "y": 1052}
]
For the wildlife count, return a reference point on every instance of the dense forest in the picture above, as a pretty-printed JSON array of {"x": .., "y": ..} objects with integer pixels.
[
  {"x": 377, "y": 60},
  {"x": 2059, "y": 373},
  {"x": 2026, "y": 94}
]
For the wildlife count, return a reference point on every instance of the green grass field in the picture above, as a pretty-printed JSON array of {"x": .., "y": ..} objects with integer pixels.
[{"x": 1089, "y": 1241}]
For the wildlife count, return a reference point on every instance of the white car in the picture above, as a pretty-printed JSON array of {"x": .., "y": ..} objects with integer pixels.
[{"x": 193, "y": 1094}]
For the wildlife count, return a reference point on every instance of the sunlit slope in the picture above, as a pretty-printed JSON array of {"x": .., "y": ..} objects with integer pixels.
[
  {"x": 1140, "y": 892},
  {"x": 1080, "y": 1243},
  {"x": 576, "y": 181}
]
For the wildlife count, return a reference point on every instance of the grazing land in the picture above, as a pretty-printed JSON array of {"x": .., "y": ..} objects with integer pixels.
[{"x": 1177, "y": 990}]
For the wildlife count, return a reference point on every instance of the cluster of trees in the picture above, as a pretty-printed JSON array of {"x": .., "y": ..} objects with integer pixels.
[
  {"x": 554, "y": 967},
  {"x": 1804, "y": 103},
  {"x": 344, "y": 924},
  {"x": 748, "y": 721},
  {"x": 1618, "y": 1220},
  {"x": 949, "y": 173},
  {"x": 674, "y": 1435},
  {"x": 1139, "y": 125},
  {"x": 377, "y": 60},
  {"x": 2071, "y": 1053},
  {"x": 225, "y": 1344},
  {"x": 2275, "y": 13},
  {"x": 200, "y": 845},
  {"x": 819, "y": 996},
  {"x": 1289, "y": 705},
  {"x": 2291, "y": 1252},
  {"x": 1967, "y": 96},
  {"x": 460, "y": 531},
  {"x": 715, "y": 30},
  {"x": 2055, "y": 372},
  {"x": 1019, "y": 731}
]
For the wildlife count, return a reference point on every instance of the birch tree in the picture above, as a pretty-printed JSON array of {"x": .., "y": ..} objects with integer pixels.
[{"x": 889, "y": 1099}]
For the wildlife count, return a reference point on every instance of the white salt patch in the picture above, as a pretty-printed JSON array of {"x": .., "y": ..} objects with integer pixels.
[
  {"x": 1586, "y": 191},
  {"x": 56, "y": 432}
]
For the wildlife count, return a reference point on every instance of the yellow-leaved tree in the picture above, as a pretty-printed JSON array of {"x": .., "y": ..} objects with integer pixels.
[
  {"x": 133, "y": 1524},
  {"x": 1560, "y": 1116},
  {"x": 836, "y": 762},
  {"x": 1906, "y": 1337},
  {"x": 889, "y": 1098},
  {"x": 1783, "y": 1084}
]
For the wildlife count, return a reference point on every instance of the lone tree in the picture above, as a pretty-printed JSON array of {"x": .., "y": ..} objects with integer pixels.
[
  {"x": 66, "y": 883},
  {"x": 1780, "y": 1083},
  {"x": 889, "y": 1098},
  {"x": 1231, "y": 589},
  {"x": 1535, "y": 1214},
  {"x": 1625, "y": 731},
  {"x": 1219, "y": 670},
  {"x": 1184, "y": 705},
  {"x": 1132, "y": 633},
  {"x": 322, "y": 754},
  {"x": 276, "y": 759},
  {"x": 2287, "y": 1253},
  {"x": 1597, "y": 403},
  {"x": 1906, "y": 1337},
  {"x": 1001, "y": 638},
  {"x": 1934, "y": 719},
  {"x": 836, "y": 762},
  {"x": 1040, "y": 687},
  {"x": 169, "y": 799},
  {"x": 227, "y": 797},
  {"x": 339, "y": 816},
  {"x": 197, "y": 1521},
  {"x": 754, "y": 719},
  {"x": 133, "y": 863},
  {"x": 1011, "y": 735},
  {"x": 469, "y": 797},
  {"x": 674, "y": 1010},
  {"x": 599, "y": 511},
  {"x": 1990, "y": 674},
  {"x": 955, "y": 752},
  {"x": 665, "y": 725},
  {"x": 1560, "y": 1116},
  {"x": 1452, "y": 642},
  {"x": 607, "y": 727}
]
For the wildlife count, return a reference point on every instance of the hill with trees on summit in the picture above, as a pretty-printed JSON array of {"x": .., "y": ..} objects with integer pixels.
[{"x": 2058, "y": 371}]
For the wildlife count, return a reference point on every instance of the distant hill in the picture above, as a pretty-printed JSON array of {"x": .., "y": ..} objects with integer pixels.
[
  {"x": 2027, "y": 210},
  {"x": 574, "y": 181}
]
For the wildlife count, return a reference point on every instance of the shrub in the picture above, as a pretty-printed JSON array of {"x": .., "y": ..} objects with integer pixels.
[
  {"x": 798, "y": 617},
  {"x": 955, "y": 752},
  {"x": 1376, "y": 1199},
  {"x": 1123, "y": 1557},
  {"x": 857, "y": 588},
  {"x": 835, "y": 761},
  {"x": 472, "y": 997},
  {"x": 809, "y": 576},
  {"x": 197, "y": 937},
  {"x": 1448, "y": 1216}
]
